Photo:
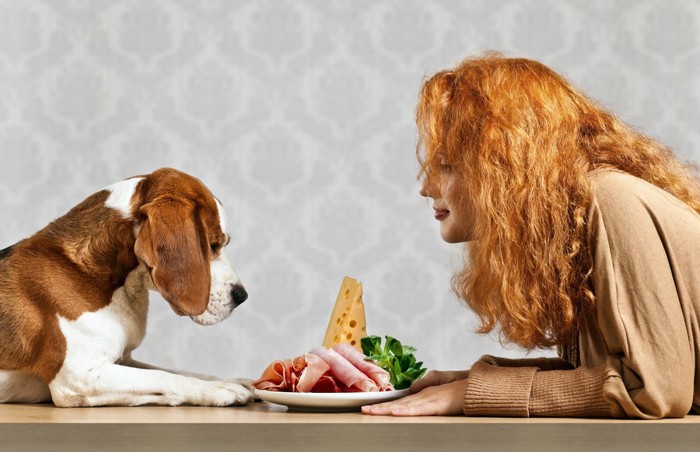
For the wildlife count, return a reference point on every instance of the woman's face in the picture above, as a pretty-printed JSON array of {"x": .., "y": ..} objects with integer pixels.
[{"x": 452, "y": 210}]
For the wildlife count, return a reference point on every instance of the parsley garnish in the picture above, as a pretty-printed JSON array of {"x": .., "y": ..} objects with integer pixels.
[{"x": 395, "y": 358}]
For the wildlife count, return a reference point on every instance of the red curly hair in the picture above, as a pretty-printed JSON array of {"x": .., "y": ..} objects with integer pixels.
[{"x": 523, "y": 140}]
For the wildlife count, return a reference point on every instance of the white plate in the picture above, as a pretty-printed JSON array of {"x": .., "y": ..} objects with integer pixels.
[{"x": 328, "y": 401}]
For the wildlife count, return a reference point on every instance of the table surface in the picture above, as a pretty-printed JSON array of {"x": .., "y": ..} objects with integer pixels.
[
  {"x": 262, "y": 413},
  {"x": 264, "y": 427}
]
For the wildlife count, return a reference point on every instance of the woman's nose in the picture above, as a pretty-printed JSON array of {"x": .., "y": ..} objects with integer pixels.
[{"x": 424, "y": 188}]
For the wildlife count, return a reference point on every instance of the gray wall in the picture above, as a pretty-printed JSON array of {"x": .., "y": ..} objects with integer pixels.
[{"x": 299, "y": 116}]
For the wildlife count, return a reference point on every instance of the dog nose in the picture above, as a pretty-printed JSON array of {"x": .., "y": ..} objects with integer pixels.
[{"x": 239, "y": 295}]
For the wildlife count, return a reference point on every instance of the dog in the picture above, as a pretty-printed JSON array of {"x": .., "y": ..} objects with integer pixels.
[{"x": 74, "y": 296}]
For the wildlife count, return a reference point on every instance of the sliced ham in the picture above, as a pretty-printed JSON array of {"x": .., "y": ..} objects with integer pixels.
[
  {"x": 328, "y": 384},
  {"x": 377, "y": 374},
  {"x": 314, "y": 368},
  {"x": 276, "y": 377},
  {"x": 341, "y": 369},
  {"x": 345, "y": 372}
]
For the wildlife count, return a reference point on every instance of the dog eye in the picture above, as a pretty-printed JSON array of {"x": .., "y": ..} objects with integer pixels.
[{"x": 215, "y": 247}]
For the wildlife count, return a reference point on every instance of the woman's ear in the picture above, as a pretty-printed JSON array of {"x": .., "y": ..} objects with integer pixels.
[{"x": 170, "y": 243}]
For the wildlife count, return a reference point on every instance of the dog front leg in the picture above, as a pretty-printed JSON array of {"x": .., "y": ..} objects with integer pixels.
[
  {"x": 114, "y": 384},
  {"x": 129, "y": 361}
]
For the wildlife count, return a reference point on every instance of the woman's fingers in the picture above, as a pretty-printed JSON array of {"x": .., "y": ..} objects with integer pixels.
[
  {"x": 444, "y": 400},
  {"x": 387, "y": 408},
  {"x": 438, "y": 393}
]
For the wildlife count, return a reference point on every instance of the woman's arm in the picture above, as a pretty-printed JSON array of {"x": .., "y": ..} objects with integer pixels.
[
  {"x": 441, "y": 400},
  {"x": 540, "y": 363},
  {"x": 528, "y": 391},
  {"x": 438, "y": 377}
]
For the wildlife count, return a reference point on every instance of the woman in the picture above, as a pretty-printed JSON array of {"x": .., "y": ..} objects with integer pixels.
[{"x": 581, "y": 233}]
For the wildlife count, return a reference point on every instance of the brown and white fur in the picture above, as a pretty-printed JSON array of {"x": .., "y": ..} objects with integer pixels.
[{"x": 74, "y": 296}]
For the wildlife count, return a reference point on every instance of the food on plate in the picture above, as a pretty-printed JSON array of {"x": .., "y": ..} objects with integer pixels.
[
  {"x": 396, "y": 358},
  {"x": 344, "y": 369},
  {"x": 348, "y": 361},
  {"x": 301, "y": 374},
  {"x": 323, "y": 370},
  {"x": 380, "y": 376},
  {"x": 347, "y": 323}
]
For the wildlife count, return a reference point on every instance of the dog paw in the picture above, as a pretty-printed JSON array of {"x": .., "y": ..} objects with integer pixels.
[
  {"x": 226, "y": 393},
  {"x": 248, "y": 383}
]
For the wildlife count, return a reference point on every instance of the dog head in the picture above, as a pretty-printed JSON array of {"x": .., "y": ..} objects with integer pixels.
[{"x": 181, "y": 232}]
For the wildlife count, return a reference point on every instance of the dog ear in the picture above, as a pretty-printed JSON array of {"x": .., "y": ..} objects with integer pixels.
[{"x": 170, "y": 243}]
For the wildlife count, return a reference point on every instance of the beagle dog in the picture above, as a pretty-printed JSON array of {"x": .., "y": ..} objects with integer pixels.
[{"x": 74, "y": 296}]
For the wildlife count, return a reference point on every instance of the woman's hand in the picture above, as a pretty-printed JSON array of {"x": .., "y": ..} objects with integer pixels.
[
  {"x": 441, "y": 400},
  {"x": 438, "y": 377}
]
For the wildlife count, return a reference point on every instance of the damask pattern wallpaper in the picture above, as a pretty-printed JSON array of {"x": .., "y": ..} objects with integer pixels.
[{"x": 299, "y": 115}]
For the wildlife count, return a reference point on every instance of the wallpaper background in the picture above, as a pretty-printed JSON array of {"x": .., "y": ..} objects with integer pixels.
[{"x": 299, "y": 116}]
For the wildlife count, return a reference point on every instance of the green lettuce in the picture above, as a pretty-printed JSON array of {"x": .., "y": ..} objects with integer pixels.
[{"x": 395, "y": 358}]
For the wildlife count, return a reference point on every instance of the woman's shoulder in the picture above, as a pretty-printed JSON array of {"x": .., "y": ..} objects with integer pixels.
[
  {"x": 606, "y": 182},
  {"x": 624, "y": 193},
  {"x": 627, "y": 205}
]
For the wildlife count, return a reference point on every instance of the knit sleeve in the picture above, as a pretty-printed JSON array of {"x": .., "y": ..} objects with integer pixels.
[
  {"x": 540, "y": 363},
  {"x": 492, "y": 390}
]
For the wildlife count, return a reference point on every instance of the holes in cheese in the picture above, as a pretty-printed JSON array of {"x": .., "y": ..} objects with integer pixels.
[{"x": 347, "y": 322}]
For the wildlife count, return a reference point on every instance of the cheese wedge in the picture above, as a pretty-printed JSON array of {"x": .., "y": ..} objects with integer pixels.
[{"x": 347, "y": 323}]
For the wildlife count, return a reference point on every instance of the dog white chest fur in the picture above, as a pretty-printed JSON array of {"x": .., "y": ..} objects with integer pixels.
[{"x": 94, "y": 346}]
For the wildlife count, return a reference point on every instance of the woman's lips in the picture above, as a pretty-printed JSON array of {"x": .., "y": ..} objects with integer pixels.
[{"x": 441, "y": 214}]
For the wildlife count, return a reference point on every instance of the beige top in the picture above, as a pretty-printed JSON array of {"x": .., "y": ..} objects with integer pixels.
[{"x": 638, "y": 348}]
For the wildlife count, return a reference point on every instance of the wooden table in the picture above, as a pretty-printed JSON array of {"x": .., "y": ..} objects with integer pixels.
[{"x": 265, "y": 427}]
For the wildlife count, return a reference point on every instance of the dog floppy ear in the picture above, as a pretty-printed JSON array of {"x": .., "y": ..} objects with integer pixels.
[{"x": 171, "y": 245}]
